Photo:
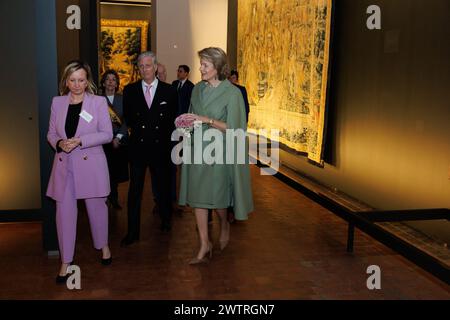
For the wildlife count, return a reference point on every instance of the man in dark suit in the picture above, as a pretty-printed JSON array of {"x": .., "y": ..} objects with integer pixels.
[
  {"x": 184, "y": 88},
  {"x": 149, "y": 111}
]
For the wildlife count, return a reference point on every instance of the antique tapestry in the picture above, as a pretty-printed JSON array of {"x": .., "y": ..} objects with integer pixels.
[
  {"x": 121, "y": 42},
  {"x": 283, "y": 53}
]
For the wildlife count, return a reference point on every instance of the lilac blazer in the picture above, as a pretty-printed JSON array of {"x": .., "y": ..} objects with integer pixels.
[{"x": 89, "y": 166}]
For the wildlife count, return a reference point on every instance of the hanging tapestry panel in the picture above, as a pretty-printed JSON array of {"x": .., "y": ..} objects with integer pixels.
[
  {"x": 283, "y": 55},
  {"x": 121, "y": 42}
]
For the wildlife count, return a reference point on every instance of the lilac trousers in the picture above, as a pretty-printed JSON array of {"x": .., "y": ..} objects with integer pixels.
[{"x": 66, "y": 221}]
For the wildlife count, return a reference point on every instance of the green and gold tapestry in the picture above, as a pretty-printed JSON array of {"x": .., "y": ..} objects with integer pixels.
[
  {"x": 283, "y": 55},
  {"x": 121, "y": 42}
]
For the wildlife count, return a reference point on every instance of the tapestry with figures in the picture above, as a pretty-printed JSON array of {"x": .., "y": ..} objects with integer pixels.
[{"x": 283, "y": 59}]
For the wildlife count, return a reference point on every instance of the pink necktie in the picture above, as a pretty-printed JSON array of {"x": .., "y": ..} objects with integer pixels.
[{"x": 148, "y": 96}]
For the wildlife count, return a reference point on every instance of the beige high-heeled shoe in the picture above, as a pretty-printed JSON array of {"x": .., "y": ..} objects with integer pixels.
[{"x": 203, "y": 259}]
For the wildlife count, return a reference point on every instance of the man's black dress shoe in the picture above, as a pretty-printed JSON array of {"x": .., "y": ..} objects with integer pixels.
[
  {"x": 128, "y": 240},
  {"x": 106, "y": 262}
]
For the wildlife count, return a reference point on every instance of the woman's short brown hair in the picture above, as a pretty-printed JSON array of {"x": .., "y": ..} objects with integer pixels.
[
  {"x": 218, "y": 58},
  {"x": 108, "y": 72},
  {"x": 70, "y": 68}
]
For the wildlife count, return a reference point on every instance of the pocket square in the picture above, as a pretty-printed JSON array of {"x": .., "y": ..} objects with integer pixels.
[{"x": 163, "y": 102}]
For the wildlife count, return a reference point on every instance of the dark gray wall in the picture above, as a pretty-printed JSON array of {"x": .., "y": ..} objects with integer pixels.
[
  {"x": 47, "y": 80},
  {"x": 20, "y": 187},
  {"x": 78, "y": 44},
  {"x": 390, "y": 130},
  {"x": 68, "y": 41},
  {"x": 27, "y": 84},
  {"x": 89, "y": 34},
  {"x": 391, "y": 102}
]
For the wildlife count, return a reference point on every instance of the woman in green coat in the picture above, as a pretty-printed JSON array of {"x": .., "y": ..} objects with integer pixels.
[{"x": 224, "y": 183}]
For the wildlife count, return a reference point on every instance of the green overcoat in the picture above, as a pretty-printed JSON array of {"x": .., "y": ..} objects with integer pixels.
[{"x": 220, "y": 184}]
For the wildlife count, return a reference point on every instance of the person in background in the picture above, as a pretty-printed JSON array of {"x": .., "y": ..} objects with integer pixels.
[
  {"x": 184, "y": 88},
  {"x": 161, "y": 72},
  {"x": 219, "y": 105},
  {"x": 234, "y": 79},
  {"x": 116, "y": 151},
  {"x": 79, "y": 126}
]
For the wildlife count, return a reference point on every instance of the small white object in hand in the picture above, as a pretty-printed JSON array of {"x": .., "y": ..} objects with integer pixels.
[{"x": 186, "y": 124}]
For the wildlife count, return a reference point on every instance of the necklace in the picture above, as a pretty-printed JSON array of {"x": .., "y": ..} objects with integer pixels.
[{"x": 213, "y": 85}]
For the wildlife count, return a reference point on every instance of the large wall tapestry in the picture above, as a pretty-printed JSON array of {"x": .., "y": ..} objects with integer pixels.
[
  {"x": 120, "y": 44},
  {"x": 283, "y": 49}
]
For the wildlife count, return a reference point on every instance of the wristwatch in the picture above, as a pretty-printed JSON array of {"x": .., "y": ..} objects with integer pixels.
[{"x": 211, "y": 122}]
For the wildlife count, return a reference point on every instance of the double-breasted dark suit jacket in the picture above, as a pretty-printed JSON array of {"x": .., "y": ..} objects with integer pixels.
[{"x": 150, "y": 129}]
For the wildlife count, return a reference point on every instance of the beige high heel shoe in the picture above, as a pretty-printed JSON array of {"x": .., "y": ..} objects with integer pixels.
[{"x": 204, "y": 259}]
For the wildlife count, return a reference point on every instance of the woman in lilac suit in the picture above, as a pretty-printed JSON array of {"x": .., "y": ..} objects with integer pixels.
[{"x": 79, "y": 126}]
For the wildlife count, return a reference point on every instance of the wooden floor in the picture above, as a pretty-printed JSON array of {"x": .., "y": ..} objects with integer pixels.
[{"x": 290, "y": 248}]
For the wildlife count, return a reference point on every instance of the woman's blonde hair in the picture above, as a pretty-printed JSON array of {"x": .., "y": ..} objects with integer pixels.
[
  {"x": 218, "y": 58},
  {"x": 70, "y": 68}
]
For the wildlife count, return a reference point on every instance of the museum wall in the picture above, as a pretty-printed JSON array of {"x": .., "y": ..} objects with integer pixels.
[
  {"x": 391, "y": 132},
  {"x": 19, "y": 116},
  {"x": 28, "y": 83},
  {"x": 232, "y": 33},
  {"x": 47, "y": 83},
  {"x": 68, "y": 41},
  {"x": 129, "y": 12},
  {"x": 77, "y": 44},
  {"x": 185, "y": 27},
  {"x": 389, "y": 111}
]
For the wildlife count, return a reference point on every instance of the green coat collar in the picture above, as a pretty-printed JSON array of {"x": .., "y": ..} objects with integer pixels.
[{"x": 221, "y": 89}]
